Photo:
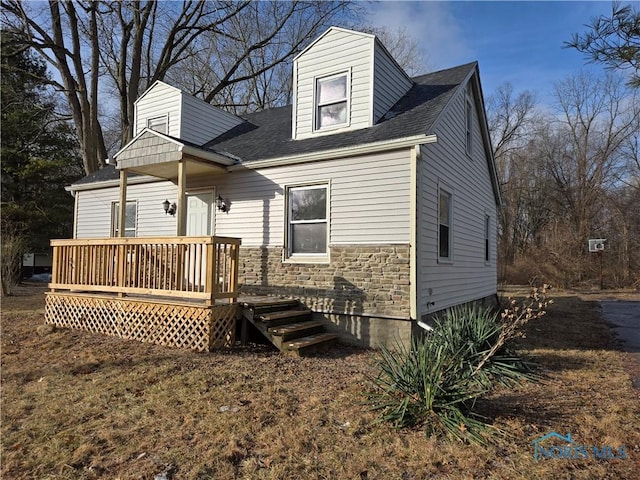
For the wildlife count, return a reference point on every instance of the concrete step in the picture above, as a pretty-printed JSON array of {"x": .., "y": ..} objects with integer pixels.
[{"x": 309, "y": 344}]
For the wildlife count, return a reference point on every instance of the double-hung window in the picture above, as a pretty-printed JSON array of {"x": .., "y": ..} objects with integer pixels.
[
  {"x": 307, "y": 221},
  {"x": 445, "y": 225},
  {"x": 332, "y": 105},
  {"x": 130, "y": 219}
]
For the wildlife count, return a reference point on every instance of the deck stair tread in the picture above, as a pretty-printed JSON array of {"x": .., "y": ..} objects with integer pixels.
[
  {"x": 309, "y": 341},
  {"x": 271, "y": 303},
  {"x": 294, "y": 328},
  {"x": 281, "y": 315}
]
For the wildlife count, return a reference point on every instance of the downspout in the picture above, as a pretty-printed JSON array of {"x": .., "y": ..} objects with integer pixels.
[{"x": 413, "y": 244}]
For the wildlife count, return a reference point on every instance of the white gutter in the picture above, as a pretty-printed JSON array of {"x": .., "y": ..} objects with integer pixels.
[
  {"x": 113, "y": 183},
  {"x": 206, "y": 155},
  {"x": 338, "y": 152}
]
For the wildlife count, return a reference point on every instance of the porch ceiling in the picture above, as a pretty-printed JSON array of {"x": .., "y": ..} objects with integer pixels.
[
  {"x": 169, "y": 169},
  {"x": 158, "y": 155}
]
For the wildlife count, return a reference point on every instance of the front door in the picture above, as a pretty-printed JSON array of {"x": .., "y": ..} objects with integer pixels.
[
  {"x": 199, "y": 213},
  {"x": 199, "y": 223}
]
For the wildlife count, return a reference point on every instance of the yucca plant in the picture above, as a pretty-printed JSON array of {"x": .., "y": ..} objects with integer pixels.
[{"x": 434, "y": 382}]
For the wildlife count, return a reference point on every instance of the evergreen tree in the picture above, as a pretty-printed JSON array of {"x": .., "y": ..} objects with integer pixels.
[
  {"x": 39, "y": 151},
  {"x": 613, "y": 41}
]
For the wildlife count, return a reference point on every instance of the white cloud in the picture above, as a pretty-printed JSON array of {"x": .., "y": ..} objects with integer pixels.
[{"x": 432, "y": 24}]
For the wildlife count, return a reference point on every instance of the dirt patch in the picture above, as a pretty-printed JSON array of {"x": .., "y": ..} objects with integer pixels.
[{"x": 77, "y": 405}]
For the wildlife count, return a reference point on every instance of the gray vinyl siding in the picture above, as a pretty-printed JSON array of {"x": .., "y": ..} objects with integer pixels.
[
  {"x": 149, "y": 144},
  {"x": 467, "y": 277},
  {"x": 336, "y": 52},
  {"x": 202, "y": 122},
  {"x": 369, "y": 199},
  {"x": 390, "y": 83},
  {"x": 94, "y": 210},
  {"x": 161, "y": 99},
  {"x": 369, "y": 202}
]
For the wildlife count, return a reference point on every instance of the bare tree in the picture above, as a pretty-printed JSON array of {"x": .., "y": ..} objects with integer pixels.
[
  {"x": 134, "y": 43},
  {"x": 585, "y": 160},
  {"x": 249, "y": 69},
  {"x": 597, "y": 119},
  {"x": 404, "y": 48},
  {"x": 513, "y": 123}
]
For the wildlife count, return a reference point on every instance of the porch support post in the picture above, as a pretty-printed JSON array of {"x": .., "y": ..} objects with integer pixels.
[
  {"x": 182, "y": 205},
  {"x": 122, "y": 210}
]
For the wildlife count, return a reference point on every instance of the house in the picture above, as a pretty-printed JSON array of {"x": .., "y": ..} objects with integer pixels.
[{"x": 372, "y": 198}]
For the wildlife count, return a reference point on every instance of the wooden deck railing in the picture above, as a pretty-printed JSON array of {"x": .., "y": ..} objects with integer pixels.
[{"x": 186, "y": 267}]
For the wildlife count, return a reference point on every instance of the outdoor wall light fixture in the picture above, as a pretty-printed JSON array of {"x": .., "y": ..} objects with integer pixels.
[
  {"x": 169, "y": 208},
  {"x": 221, "y": 203}
]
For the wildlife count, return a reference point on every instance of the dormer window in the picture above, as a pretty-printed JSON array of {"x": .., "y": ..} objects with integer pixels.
[
  {"x": 159, "y": 124},
  {"x": 332, "y": 105}
]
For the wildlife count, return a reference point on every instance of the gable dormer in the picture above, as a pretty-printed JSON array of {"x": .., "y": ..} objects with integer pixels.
[
  {"x": 171, "y": 111},
  {"x": 343, "y": 81}
]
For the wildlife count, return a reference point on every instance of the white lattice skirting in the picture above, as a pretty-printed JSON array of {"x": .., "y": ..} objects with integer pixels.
[{"x": 172, "y": 324}]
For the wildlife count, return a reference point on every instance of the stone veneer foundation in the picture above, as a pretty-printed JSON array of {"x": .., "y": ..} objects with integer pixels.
[{"x": 363, "y": 293}]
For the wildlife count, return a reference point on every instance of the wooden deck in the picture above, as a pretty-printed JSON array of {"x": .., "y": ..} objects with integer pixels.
[{"x": 175, "y": 291}]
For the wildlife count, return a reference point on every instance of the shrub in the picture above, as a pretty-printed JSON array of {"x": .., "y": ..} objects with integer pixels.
[
  {"x": 12, "y": 249},
  {"x": 434, "y": 382}
]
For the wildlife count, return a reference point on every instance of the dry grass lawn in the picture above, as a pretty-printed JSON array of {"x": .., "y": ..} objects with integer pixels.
[{"x": 77, "y": 405}]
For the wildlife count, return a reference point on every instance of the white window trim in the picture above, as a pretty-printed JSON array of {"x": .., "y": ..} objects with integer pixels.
[
  {"x": 164, "y": 117},
  {"x": 288, "y": 256},
  {"x": 316, "y": 104},
  {"x": 115, "y": 217},
  {"x": 443, "y": 188}
]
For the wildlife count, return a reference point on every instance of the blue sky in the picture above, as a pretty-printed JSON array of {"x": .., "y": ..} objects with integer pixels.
[{"x": 519, "y": 42}]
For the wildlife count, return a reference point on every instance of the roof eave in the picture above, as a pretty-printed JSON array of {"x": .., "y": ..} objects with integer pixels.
[
  {"x": 341, "y": 152},
  {"x": 111, "y": 183}
]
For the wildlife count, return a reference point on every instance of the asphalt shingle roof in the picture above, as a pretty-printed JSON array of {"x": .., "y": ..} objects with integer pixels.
[{"x": 267, "y": 134}]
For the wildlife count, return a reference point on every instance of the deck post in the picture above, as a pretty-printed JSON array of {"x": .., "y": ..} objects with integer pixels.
[
  {"x": 122, "y": 218},
  {"x": 233, "y": 275},
  {"x": 210, "y": 280}
]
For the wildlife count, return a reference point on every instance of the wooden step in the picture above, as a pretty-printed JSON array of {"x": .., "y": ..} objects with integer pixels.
[
  {"x": 296, "y": 330},
  {"x": 280, "y": 304},
  {"x": 275, "y": 319},
  {"x": 253, "y": 310},
  {"x": 309, "y": 344}
]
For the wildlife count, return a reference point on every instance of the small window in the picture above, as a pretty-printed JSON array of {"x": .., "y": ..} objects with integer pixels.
[
  {"x": 307, "y": 216},
  {"x": 469, "y": 123},
  {"x": 130, "y": 219},
  {"x": 331, "y": 101},
  {"x": 487, "y": 230},
  {"x": 159, "y": 124},
  {"x": 444, "y": 221}
]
